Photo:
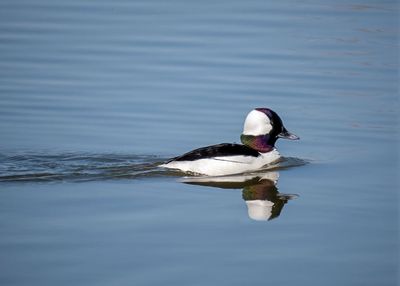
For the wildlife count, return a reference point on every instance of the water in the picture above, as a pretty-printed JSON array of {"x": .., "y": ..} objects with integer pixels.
[{"x": 93, "y": 95}]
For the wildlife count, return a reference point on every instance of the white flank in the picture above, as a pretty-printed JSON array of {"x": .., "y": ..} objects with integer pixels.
[{"x": 227, "y": 165}]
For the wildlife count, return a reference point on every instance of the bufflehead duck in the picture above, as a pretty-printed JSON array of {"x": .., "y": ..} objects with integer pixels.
[{"x": 262, "y": 127}]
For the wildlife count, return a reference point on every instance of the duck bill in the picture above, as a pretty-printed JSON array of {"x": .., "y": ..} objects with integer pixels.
[{"x": 287, "y": 135}]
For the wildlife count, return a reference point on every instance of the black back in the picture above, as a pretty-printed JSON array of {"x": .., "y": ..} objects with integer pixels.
[{"x": 220, "y": 150}]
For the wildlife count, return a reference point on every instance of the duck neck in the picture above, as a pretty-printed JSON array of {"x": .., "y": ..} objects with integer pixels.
[{"x": 261, "y": 143}]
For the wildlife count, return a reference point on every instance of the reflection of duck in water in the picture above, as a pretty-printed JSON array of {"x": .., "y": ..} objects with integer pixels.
[
  {"x": 261, "y": 130},
  {"x": 263, "y": 200}
]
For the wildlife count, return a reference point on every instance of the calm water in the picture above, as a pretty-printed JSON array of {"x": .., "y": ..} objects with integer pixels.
[{"x": 94, "y": 94}]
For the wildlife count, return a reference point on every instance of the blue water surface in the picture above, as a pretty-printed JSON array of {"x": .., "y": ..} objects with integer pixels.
[{"x": 94, "y": 94}]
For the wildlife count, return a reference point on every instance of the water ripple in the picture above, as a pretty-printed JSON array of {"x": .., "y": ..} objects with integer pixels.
[
  {"x": 75, "y": 167},
  {"x": 78, "y": 167}
]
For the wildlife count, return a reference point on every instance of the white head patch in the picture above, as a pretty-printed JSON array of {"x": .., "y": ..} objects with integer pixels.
[{"x": 256, "y": 123}]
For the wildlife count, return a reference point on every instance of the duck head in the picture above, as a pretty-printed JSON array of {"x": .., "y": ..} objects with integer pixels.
[{"x": 262, "y": 127}]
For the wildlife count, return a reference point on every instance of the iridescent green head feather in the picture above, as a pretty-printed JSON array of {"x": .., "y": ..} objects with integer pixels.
[{"x": 262, "y": 127}]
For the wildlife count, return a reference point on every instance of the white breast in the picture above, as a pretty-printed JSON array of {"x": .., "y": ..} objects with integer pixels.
[{"x": 227, "y": 165}]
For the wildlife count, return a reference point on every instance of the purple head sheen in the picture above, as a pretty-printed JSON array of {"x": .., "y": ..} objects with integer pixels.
[
  {"x": 260, "y": 143},
  {"x": 265, "y": 110},
  {"x": 274, "y": 118}
]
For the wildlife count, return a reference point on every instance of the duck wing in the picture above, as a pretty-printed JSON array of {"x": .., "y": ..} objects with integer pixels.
[{"x": 219, "y": 150}]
